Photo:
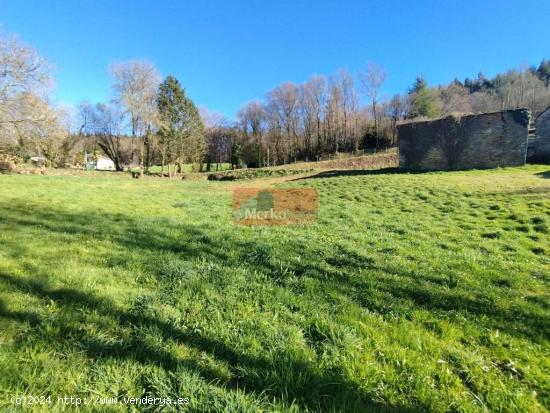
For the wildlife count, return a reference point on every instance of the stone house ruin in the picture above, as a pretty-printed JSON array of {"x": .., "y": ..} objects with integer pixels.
[
  {"x": 538, "y": 150},
  {"x": 486, "y": 140}
]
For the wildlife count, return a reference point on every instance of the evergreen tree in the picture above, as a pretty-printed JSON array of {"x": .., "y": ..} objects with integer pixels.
[
  {"x": 194, "y": 145},
  {"x": 543, "y": 71},
  {"x": 181, "y": 130},
  {"x": 423, "y": 100},
  {"x": 236, "y": 155},
  {"x": 170, "y": 103},
  {"x": 419, "y": 85}
]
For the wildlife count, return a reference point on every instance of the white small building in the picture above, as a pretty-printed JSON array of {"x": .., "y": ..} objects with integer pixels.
[{"x": 103, "y": 163}]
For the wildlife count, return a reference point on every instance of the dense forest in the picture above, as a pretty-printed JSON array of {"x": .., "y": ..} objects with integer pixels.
[{"x": 151, "y": 121}]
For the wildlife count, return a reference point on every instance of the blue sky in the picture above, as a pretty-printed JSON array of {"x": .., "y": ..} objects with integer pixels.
[{"x": 226, "y": 53}]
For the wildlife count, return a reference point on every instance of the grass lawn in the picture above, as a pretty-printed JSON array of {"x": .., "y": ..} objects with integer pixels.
[{"x": 413, "y": 292}]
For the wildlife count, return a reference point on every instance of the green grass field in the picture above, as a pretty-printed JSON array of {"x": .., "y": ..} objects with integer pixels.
[{"x": 413, "y": 292}]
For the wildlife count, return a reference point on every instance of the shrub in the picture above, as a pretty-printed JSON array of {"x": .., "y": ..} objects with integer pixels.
[
  {"x": 8, "y": 163},
  {"x": 6, "y": 166},
  {"x": 254, "y": 173}
]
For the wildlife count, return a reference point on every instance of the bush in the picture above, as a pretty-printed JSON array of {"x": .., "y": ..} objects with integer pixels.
[
  {"x": 7, "y": 166},
  {"x": 254, "y": 173},
  {"x": 8, "y": 163}
]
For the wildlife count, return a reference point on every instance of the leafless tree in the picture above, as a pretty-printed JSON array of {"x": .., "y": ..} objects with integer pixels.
[
  {"x": 219, "y": 136},
  {"x": 282, "y": 112},
  {"x": 483, "y": 102},
  {"x": 396, "y": 111},
  {"x": 350, "y": 105},
  {"x": 219, "y": 140},
  {"x": 333, "y": 118},
  {"x": 372, "y": 79},
  {"x": 24, "y": 86},
  {"x": 103, "y": 122},
  {"x": 454, "y": 99},
  {"x": 313, "y": 95},
  {"x": 252, "y": 120},
  {"x": 135, "y": 88}
]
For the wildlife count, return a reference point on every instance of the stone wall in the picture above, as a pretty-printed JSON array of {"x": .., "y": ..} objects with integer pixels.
[
  {"x": 539, "y": 147},
  {"x": 488, "y": 140}
]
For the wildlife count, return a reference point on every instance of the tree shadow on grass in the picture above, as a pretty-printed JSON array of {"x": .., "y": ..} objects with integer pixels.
[
  {"x": 22, "y": 316},
  {"x": 351, "y": 172},
  {"x": 363, "y": 172},
  {"x": 253, "y": 374},
  {"x": 545, "y": 174},
  {"x": 315, "y": 389},
  {"x": 398, "y": 286},
  {"x": 192, "y": 242},
  {"x": 257, "y": 370}
]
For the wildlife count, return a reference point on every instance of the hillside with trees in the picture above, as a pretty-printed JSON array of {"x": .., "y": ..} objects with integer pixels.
[
  {"x": 151, "y": 122},
  {"x": 343, "y": 113}
]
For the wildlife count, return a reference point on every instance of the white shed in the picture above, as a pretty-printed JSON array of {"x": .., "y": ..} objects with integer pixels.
[{"x": 105, "y": 164}]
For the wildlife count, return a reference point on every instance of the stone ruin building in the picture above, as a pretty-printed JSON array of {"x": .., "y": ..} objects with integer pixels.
[{"x": 487, "y": 140}]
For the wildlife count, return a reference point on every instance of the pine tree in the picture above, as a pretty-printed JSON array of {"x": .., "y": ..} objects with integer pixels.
[
  {"x": 423, "y": 100},
  {"x": 543, "y": 71},
  {"x": 181, "y": 130},
  {"x": 194, "y": 144},
  {"x": 236, "y": 155}
]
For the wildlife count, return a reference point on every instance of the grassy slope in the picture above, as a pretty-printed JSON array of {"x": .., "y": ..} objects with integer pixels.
[{"x": 419, "y": 292}]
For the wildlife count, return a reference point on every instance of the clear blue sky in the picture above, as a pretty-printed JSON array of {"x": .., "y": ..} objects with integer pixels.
[{"x": 226, "y": 53}]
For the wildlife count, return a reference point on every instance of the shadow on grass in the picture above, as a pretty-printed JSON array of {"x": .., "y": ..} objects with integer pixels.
[
  {"x": 545, "y": 174},
  {"x": 257, "y": 379},
  {"x": 315, "y": 389},
  {"x": 363, "y": 172},
  {"x": 318, "y": 389},
  {"x": 193, "y": 242},
  {"x": 350, "y": 172},
  {"x": 22, "y": 316}
]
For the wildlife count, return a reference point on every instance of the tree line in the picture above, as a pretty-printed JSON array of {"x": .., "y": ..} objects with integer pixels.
[
  {"x": 147, "y": 122},
  {"x": 150, "y": 121},
  {"x": 161, "y": 123},
  {"x": 324, "y": 115}
]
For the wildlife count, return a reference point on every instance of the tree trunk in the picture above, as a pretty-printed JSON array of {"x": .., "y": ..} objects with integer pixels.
[{"x": 375, "y": 126}]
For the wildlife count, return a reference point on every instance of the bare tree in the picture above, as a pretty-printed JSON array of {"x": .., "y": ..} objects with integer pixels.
[
  {"x": 282, "y": 104},
  {"x": 483, "y": 102},
  {"x": 104, "y": 123},
  {"x": 396, "y": 111},
  {"x": 313, "y": 103},
  {"x": 350, "y": 104},
  {"x": 24, "y": 85},
  {"x": 219, "y": 137},
  {"x": 372, "y": 79},
  {"x": 47, "y": 134},
  {"x": 333, "y": 116},
  {"x": 135, "y": 87},
  {"x": 454, "y": 99},
  {"x": 252, "y": 119}
]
